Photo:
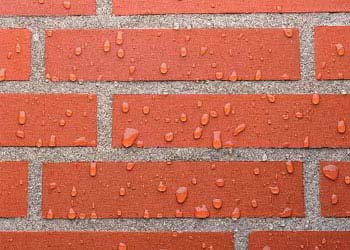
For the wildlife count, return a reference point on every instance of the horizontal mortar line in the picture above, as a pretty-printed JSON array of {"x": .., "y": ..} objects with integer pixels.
[
  {"x": 251, "y": 224},
  {"x": 176, "y": 87},
  {"x": 163, "y": 154},
  {"x": 179, "y": 21}
]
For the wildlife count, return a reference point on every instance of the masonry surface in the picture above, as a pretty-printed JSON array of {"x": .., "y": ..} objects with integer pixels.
[{"x": 72, "y": 122}]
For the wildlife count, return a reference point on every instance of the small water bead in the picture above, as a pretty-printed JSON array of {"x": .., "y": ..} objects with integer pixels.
[
  {"x": 181, "y": 194},
  {"x": 197, "y": 133},
  {"x": 239, "y": 129},
  {"x": 315, "y": 99},
  {"x": 217, "y": 203},
  {"x": 217, "y": 143},
  {"x": 162, "y": 187},
  {"x": 201, "y": 212},
  {"x": 22, "y": 117},
  {"x": 331, "y": 172},
  {"x": 129, "y": 137},
  {"x": 220, "y": 182},
  {"x": 341, "y": 127},
  {"x": 340, "y": 49}
]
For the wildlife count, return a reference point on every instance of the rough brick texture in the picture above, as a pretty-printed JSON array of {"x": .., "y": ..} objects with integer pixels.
[
  {"x": 15, "y": 54},
  {"x": 133, "y": 7},
  {"x": 270, "y": 121},
  {"x": 47, "y": 7},
  {"x": 332, "y": 46},
  {"x": 299, "y": 240},
  {"x": 334, "y": 189},
  {"x": 161, "y": 54},
  {"x": 209, "y": 189},
  {"x": 42, "y": 120},
  {"x": 13, "y": 189},
  {"x": 115, "y": 240}
]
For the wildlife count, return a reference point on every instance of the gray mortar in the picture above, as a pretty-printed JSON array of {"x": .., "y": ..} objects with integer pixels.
[{"x": 104, "y": 151}]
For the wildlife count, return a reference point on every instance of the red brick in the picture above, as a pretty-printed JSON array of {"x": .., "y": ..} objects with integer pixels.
[
  {"x": 47, "y": 120},
  {"x": 334, "y": 189},
  {"x": 47, "y": 8},
  {"x": 14, "y": 187},
  {"x": 299, "y": 240},
  {"x": 162, "y": 54},
  {"x": 71, "y": 191},
  {"x": 15, "y": 55},
  {"x": 115, "y": 240},
  {"x": 134, "y": 7},
  {"x": 332, "y": 53},
  {"x": 259, "y": 121}
]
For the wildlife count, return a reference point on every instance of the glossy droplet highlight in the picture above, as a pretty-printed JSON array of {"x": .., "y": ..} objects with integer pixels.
[
  {"x": 201, "y": 212},
  {"x": 163, "y": 68},
  {"x": 340, "y": 49},
  {"x": 290, "y": 167},
  {"x": 331, "y": 172},
  {"x": 197, "y": 134},
  {"x": 217, "y": 144},
  {"x": 341, "y": 127},
  {"x": 129, "y": 137},
  {"x": 93, "y": 169},
  {"x": 217, "y": 203},
  {"x": 125, "y": 107},
  {"x": 181, "y": 194},
  {"x": 239, "y": 129},
  {"x": 106, "y": 46},
  {"x": 161, "y": 187},
  {"x": 205, "y": 119},
  {"x": 22, "y": 117},
  {"x": 315, "y": 99}
]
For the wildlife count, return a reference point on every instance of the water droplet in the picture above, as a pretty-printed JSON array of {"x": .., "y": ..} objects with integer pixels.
[
  {"x": 287, "y": 212},
  {"x": 129, "y": 137},
  {"x": 347, "y": 180},
  {"x": 203, "y": 50},
  {"x": 331, "y": 172},
  {"x": 217, "y": 140},
  {"x": 217, "y": 203},
  {"x": 341, "y": 127},
  {"x": 271, "y": 98},
  {"x": 290, "y": 167},
  {"x": 52, "y": 141},
  {"x": 334, "y": 199},
  {"x": 119, "y": 39},
  {"x": 256, "y": 171},
  {"x": 233, "y": 77},
  {"x": 340, "y": 49},
  {"x": 239, "y": 129},
  {"x": 74, "y": 192},
  {"x": 266, "y": 248},
  {"x": 201, "y": 212},
  {"x": 20, "y": 134},
  {"x": 18, "y": 48},
  {"x": 315, "y": 99},
  {"x": 122, "y": 246},
  {"x": 22, "y": 117},
  {"x": 275, "y": 190},
  {"x": 71, "y": 214},
  {"x": 2, "y": 74},
  {"x": 162, "y": 187},
  {"x": 78, "y": 51},
  {"x": 106, "y": 46},
  {"x": 181, "y": 194},
  {"x": 288, "y": 33},
  {"x": 220, "y": 182},
  {"x": 69, "y": 113},
  {"x": 67, "y": 4},
  {"x": 146, "y": 110},
  {"x": 205, "y": 119},
  {"x": 49, "y": 215},
  {"x": 163, "y": 68},
  {"x": 120, "y": 53},
  {"x": 236, "y": 214},
  {"x": 183, "y": 52},
  {"x": 258, "y": 75},
  {"x": 130, "y": 166},
  {"x": 169, "y": 137},
  {"x": 227, "y": 109},
  {"x": 122, "y": 192},
  {"x": 93, "y": 169},
  {"x": 125, "y": 107},
  {"x": 183, "y": 117},
  {"x": 197, "y": 134},
  {"x": 254, "y": 203},
  {"x": 219, "y": 75}
]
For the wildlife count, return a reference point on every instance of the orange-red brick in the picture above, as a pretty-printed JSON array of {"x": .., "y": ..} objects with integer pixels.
[
  {"x": 47, "y": 7},
  {"x": 164, "y": 55},
  {"x": 15, "y": 54},
  {"x": 250, "y": 121},
  {"x": 115, "y": 240},
  {"x": 299, "y": 240},
  {"x": 14, "y": 188},
  {"x": 332, "y": 53},
  {"x": 334, "y": 189},
  {"x": 43, "y": 120},
  {"x": 177, "y": 189},
  {"x": 134, "y": 7}
]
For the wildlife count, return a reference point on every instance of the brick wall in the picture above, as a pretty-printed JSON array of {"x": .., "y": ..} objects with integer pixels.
[{"x": 182, "y": 124}]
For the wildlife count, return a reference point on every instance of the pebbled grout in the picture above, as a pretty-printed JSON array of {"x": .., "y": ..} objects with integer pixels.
[{"x": 105, "y": 90}]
